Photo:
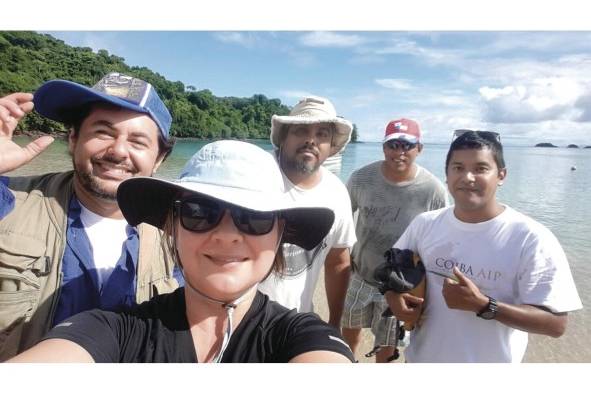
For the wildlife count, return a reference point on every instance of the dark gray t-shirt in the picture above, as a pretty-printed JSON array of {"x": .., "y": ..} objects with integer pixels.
[{"x": 385, "y": 209}]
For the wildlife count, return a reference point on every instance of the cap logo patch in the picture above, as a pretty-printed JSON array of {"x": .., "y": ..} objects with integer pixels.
[
  {"x": 122, "y": 86},
  {"x": 400, "y": 126}
]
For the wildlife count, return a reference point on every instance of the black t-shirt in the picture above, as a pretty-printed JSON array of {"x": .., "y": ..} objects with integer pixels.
[{"x": 158, "y": 331}]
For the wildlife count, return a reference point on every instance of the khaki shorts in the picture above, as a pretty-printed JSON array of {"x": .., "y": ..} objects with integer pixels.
[{"x": 364, "y": 306}]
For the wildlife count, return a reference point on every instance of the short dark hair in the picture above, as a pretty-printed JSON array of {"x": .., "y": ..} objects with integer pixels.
[
  {"x": 478, "y": 140},
  {"x": 77, "y": 117}
]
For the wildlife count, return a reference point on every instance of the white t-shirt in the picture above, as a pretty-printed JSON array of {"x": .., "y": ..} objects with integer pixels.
[
  {"x": 511, "y": 258},
  {"x": 106, "y": 237},
  {"x": 296, "y": 288}
]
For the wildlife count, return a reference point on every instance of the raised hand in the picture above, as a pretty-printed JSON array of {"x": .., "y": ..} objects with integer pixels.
[
  {"x": 12, "y": 109},
  {"x": 463, "y": 294}
]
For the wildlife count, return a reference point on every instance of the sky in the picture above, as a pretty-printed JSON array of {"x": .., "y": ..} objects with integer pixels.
[
  {"x": 529, "y": 86},
  {"x": 506, "y": 66}
]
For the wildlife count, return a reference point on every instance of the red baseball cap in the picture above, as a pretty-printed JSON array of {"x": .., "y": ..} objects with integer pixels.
[{"x": 403, "y": 129}]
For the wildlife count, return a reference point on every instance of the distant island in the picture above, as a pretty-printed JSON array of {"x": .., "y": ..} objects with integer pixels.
[
  {"x": 572, "y": 146},
  {"x": 545, "y": 145},
  {"x": 588, "y": 147}
]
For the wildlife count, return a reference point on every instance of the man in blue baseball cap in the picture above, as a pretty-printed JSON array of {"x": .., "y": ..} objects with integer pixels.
[{"x": 64, "y": 244}]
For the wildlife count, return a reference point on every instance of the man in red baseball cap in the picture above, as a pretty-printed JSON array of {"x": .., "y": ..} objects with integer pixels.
[{"x": 387, "y": 194}]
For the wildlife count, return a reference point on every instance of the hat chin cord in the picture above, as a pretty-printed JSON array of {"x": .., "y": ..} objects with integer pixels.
[{"x": 228, "y": 306}]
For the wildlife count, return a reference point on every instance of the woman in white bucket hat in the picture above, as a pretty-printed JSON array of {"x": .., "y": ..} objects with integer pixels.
[{"x": 224, "y": 220}]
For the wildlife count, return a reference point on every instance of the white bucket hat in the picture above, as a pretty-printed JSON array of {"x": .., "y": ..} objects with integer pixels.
[
  {"x": 311, "y": 110},
  {"x": 236, "y": 172}
]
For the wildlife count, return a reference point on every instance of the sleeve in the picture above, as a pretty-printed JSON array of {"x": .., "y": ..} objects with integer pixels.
[
  {"x": 95, "y": 330},
  {"x": 6, "y": 198},
  {"x": 351, "y": 191},
  {"x": 307, "y": 333},
  {"x": 544, "y": 276}
]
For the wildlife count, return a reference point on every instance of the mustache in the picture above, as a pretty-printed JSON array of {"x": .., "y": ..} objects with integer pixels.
[
  {"x": 310, "y": 149},
  {"x": 112, "y": 160}
]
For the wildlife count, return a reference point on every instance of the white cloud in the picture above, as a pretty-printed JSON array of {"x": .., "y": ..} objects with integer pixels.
[
  {"x": 363, "y": 100},
  {"x": 542, "y": 42},
  {"x": 294, "y": 94},
  {"x": 392, "y": 83},
  {"x": 299, "y": 58},
  {"x": 241, "y": 38},
  {"x": 330, "y": 39},
  {"x": 433, "y": 56},
  {"x": 538, "y": 100}
]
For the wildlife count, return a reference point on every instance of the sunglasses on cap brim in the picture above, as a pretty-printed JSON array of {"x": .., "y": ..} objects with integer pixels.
[
  {"x": 404, "y": 145},
  {"x": 487, "y": 135},
  {"x": 201, "y": 214}
]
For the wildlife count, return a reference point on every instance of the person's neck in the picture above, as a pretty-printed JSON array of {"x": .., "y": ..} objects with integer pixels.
[
  {"x": 480, "y": 215},
  {"x": 303, "y": 180},
  {"x": 208, "y": 321},
  {"x": 101, "y": 206},
  {"x": 397, "y": 177}
]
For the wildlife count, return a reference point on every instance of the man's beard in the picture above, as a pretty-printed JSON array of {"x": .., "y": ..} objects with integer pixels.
[
  {"x": 92, "y": 183},
  {"x": 302, "y": 166}
]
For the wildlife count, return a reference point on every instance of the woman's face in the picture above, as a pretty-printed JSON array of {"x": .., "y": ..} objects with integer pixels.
[{"x": 224, "y": 262}]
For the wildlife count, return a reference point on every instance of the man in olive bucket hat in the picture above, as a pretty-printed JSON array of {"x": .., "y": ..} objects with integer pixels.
[{"x": 303, "y": 140}]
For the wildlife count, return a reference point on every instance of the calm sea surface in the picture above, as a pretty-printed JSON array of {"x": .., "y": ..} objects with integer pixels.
[{"x": 540, "y": 183}]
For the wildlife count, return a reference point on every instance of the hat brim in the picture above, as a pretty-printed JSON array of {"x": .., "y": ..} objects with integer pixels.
[
  {"x": 340, "y": 139},
  {"x": 149, "y": 200},
  {"x": 58, "y": 98},
  {"x": 402, "y": 137}
]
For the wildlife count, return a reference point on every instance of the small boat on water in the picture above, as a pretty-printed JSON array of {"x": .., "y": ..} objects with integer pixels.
[{"x": 333, "y": 163}]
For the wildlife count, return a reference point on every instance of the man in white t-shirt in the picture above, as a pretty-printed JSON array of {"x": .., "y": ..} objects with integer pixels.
[
  {"x": 311, "y": 133},
  {"x": 507, "y": 275}
]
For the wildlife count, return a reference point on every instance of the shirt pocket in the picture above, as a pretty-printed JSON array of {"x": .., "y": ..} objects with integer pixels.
[{"x": 22, "y": 263}]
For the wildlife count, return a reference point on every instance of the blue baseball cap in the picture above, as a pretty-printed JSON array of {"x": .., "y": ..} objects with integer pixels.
[{"x": 56, "y": 98}]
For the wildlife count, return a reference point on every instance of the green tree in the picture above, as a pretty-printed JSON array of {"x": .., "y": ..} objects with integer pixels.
[
  {"x": 354, "y": 133},
  {"x": 28, "y": 59}
]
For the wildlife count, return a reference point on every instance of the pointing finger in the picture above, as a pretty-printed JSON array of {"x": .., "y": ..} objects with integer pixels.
[{"x": 461, "y": 277}]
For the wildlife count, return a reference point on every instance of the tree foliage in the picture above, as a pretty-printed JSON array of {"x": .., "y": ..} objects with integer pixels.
[
  {"x": 354, "y": 133},
  {"x": 28, "y": 59}
]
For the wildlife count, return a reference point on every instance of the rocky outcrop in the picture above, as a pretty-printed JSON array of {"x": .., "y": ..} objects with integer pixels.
[{"x": 545, "y": 145}]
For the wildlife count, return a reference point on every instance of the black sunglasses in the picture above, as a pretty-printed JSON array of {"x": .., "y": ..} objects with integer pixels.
[
  {"x": 200, "y": 214},
  {"x": 404, "y": 145},
  {"x": 487, "y": 135}
]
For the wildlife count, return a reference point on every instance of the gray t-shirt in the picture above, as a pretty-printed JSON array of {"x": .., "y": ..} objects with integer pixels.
[{"x": 385, "y": 209}]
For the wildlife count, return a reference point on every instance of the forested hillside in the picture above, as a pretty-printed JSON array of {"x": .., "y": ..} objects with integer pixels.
[{"x": 27, "y": 59}]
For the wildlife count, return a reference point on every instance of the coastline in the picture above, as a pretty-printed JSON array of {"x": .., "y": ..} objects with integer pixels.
[
  {"x": 58, "y": 135},
  {"x": 63, "y": 135}
]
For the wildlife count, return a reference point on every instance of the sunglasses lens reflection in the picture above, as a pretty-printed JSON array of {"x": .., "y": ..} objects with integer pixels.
[{"x": 200, "y": 215}]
